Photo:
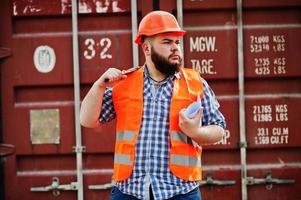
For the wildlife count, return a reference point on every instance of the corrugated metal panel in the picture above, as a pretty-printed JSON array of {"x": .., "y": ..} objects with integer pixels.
[
  {"x": 272, "y": 91},
  {"x": 38, "y": 79}
]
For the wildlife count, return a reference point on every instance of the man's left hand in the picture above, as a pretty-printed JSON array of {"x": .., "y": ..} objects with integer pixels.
[{"x": 190, "y": 126}]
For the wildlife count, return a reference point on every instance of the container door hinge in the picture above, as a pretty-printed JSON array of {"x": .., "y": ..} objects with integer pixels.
[
  {"x": 242, "y": 144},
  {"x": 105, "y": 186},
  {"x": 209, "y": 181},
  {"x": 79, "y": 149},
  {"x": 269, "y": 181},
  {"x": 55, "y": 187}
]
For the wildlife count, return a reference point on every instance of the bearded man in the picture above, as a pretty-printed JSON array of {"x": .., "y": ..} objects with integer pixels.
[{"x": 158, "y": 147}]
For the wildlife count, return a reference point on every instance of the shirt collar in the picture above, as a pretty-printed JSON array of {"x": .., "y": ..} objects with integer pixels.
[{"x": 171, "y": 77}]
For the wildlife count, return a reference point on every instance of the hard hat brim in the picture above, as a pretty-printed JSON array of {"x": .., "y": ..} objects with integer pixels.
[{"x": 138, "y": 39}]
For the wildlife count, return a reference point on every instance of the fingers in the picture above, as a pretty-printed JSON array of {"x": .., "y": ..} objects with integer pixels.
[
  {"x": 182, "y": 115},
  {"x": 112, "y": 74},
  {"x": 199, "y": 113},
  {"x": 110, "y": 77},
  {"x": 183, "y": 119},
  {"x": 182, "y": 112}
]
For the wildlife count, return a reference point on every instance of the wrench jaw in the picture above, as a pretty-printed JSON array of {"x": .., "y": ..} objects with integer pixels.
[
  {"x": 130, "y": 70},
  {"x": 126, "y": 71}
]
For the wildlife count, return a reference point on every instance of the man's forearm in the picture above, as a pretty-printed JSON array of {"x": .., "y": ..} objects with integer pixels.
[
  {"x": 207, "y": 134},
  {"x": 91, "y": 107}
]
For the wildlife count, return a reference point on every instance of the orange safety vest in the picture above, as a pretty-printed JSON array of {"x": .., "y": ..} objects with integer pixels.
[{"x": 184, "y": 157}]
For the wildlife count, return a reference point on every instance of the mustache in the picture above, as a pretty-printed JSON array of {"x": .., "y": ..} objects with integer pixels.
[{"x": 172, "y": 55}]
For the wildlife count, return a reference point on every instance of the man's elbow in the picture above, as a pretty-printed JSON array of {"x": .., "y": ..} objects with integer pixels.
[
  {"x": 89, "y": 123},
  {"x": 216, "y": 135},
  {"x": 220, "y": 133}
]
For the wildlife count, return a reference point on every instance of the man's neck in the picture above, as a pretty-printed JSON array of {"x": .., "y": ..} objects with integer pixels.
[{"x": 154, "y": 73}]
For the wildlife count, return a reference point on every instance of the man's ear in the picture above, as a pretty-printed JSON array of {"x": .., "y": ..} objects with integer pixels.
[{"x": 146, "y": 46}]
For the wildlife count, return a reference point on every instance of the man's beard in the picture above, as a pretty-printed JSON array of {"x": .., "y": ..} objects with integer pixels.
[{"x": 163, "y": 65}]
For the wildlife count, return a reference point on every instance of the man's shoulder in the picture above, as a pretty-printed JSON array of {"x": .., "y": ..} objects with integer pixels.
[
  {"x": 133, "y": 74},
  {"x": 192, "y": 73},
  {"x": 131, "y": 70}
]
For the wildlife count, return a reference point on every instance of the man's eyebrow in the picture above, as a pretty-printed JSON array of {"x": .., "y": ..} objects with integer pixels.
[{"x": 168, "y": 40}]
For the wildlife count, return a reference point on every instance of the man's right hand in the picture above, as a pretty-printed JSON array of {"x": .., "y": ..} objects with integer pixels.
[{"x": 110, "y": 77}]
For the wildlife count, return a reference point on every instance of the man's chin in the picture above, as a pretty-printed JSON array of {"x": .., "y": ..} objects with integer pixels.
[{"x": 175, "y": 62}]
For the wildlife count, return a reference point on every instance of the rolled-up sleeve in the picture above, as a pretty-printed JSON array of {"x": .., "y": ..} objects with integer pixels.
[
  {"x": 211, "y": 112},
  {"x": 107, "y": 109}
]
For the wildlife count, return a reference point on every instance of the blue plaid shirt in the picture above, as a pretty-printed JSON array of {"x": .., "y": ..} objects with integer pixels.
[{"x": 152, "y": 148}]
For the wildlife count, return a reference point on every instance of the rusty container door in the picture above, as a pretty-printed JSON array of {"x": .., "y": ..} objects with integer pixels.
[
  {"x": 272, "y": 47},
  {"x": 270, "y": 93},
  {"x": 37, "y": 101},
  {"x": 210, "y": 47},
  {"x": 37, "y": 94},
  {"x": 105, "y": 41}
]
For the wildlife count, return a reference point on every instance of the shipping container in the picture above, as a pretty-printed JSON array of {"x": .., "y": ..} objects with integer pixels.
[{"x": 51, "y": 52}]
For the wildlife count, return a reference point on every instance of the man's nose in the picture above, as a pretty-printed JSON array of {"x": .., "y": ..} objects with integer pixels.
[{"x": 175, "y": 47}]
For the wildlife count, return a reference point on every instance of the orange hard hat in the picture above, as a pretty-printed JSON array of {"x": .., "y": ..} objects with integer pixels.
[{"x": 157, "y": 22}]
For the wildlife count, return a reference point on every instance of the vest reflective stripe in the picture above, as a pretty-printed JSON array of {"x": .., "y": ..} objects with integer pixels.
[
  {"x": 122, "y": 159},
  {"x": 185, "y": 161},
  {"x": 180, "y": 137},
  {"x": 127, "y": 136}
]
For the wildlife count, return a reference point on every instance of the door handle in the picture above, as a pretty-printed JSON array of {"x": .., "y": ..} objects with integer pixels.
[
  {"x": 101, "y": 187},
  {"x": 55, "y": 187},
  {"x": 209, "y": 181},
  {"x": 269, "y": 181}
]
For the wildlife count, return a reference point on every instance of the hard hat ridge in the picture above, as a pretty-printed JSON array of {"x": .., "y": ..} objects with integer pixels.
[{"x": 158, "y": 22}]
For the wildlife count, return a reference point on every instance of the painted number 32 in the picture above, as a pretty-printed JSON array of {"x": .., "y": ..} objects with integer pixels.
[{"x": 91, "y": 46}]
